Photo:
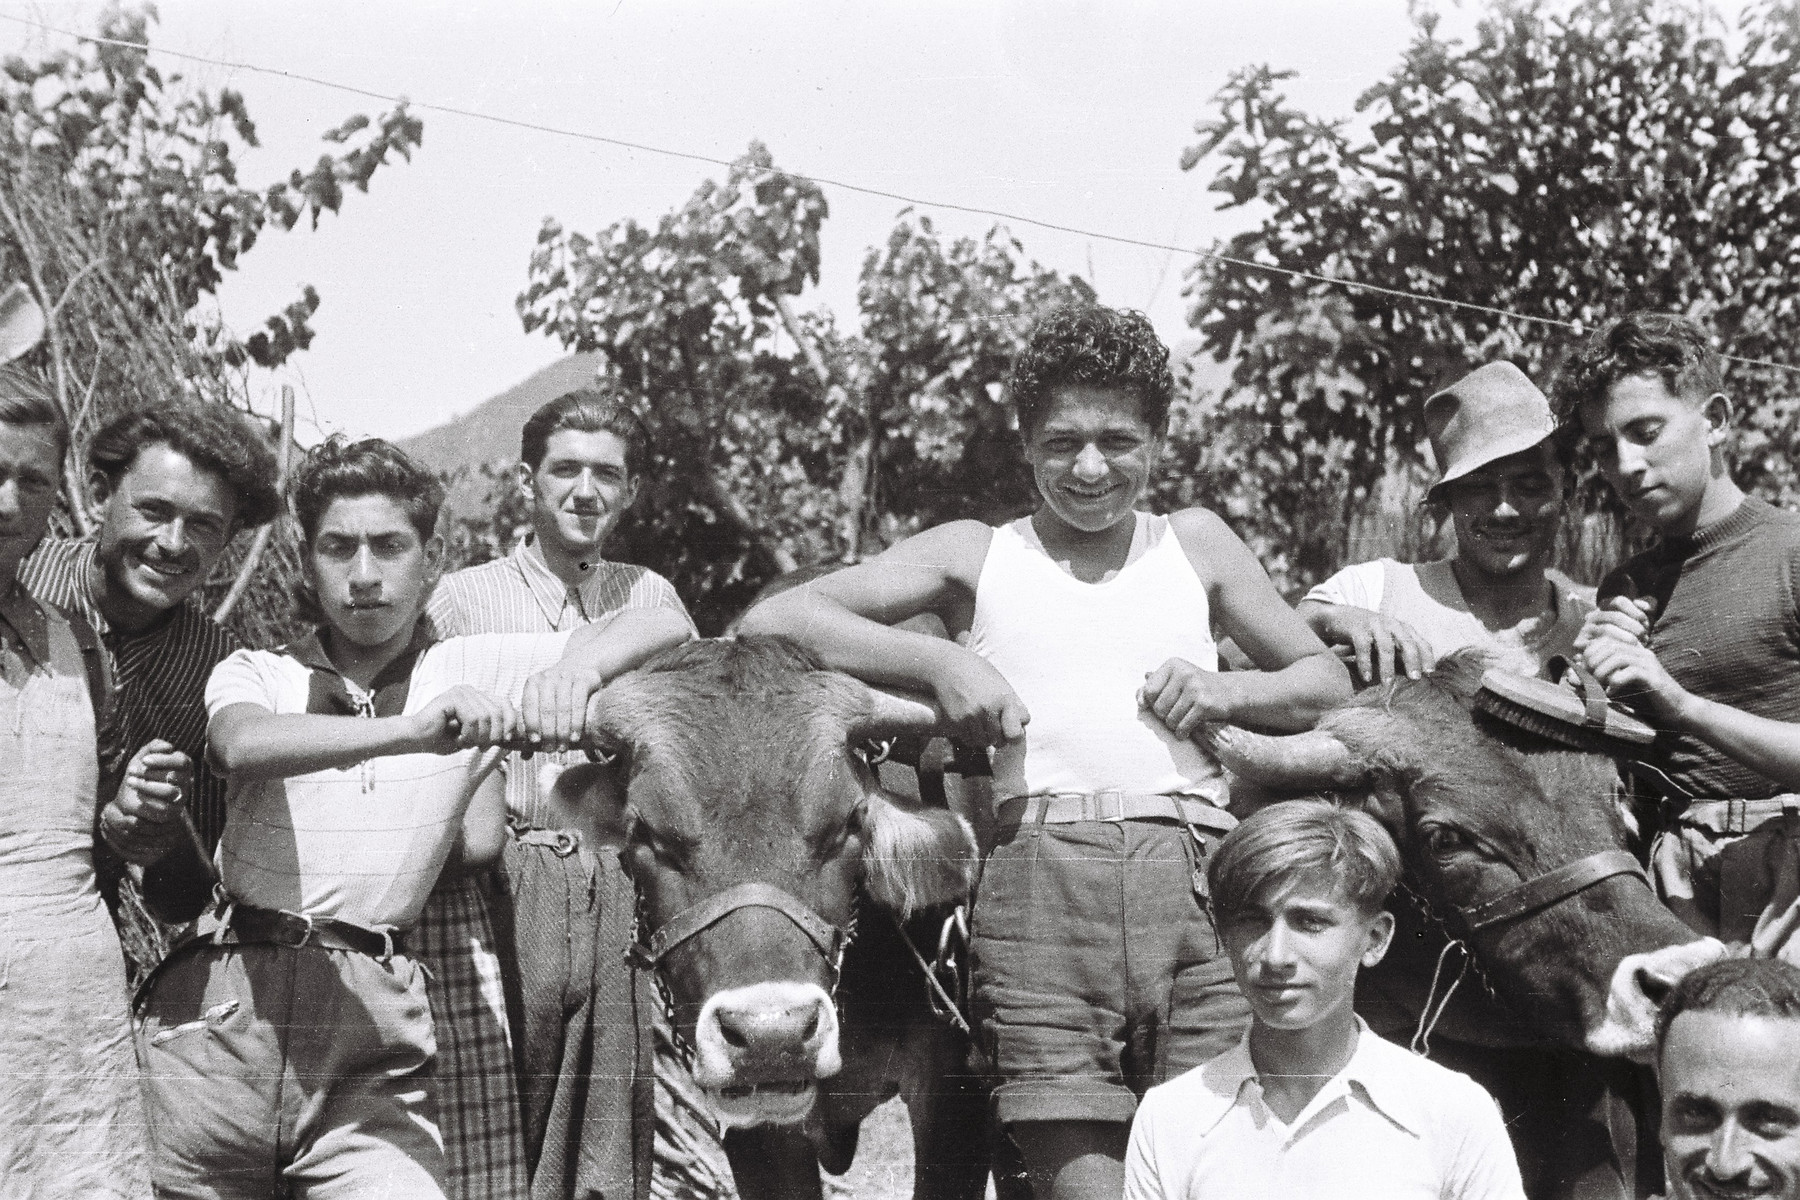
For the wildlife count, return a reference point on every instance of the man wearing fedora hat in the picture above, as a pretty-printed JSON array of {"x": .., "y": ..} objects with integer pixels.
[{"x": 1503, "y": 484}]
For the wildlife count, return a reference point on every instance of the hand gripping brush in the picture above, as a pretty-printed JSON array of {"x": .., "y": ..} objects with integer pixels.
[{"x": 1580, "y": 717}]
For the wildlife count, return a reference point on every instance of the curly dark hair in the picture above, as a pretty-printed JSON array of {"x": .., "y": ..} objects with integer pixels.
[
  {"x": 338, "y": 467},
  {"x": 1093, "y": 345},
  {"x": 595, "y": 409},
  {"x": 1738, "y": 987},
  {"x": 1673, "y": 348},
  {"x": 214, "y": 437}
]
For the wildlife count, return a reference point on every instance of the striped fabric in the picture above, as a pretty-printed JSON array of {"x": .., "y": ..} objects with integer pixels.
[
  {"x": 161, "y": 672},
  {"x": 520, "y": 594}
]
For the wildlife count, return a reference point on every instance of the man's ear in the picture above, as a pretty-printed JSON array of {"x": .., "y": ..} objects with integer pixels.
[
  {"x": 631, "y": 491},
  {"x": 526, "y": 478},
  {"x": 434, "y": 551},
  {"x": 1381, "y": 936},
  {"x": 99, "y": 489},
  {"x": 1717, "y": 410}
]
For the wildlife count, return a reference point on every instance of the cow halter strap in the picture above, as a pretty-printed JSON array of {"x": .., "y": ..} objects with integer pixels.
[
  {"x": 684, "y": 925},
  {"x": 1552, "y": 887}
]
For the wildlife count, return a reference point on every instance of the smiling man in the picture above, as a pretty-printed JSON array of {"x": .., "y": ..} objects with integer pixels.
[
  {"x": 289, "y": 1046},
  {"x": 1702, "y": 629},
  {"x": 582, "y": 458},
  {"x": 1089, "y": 664},
  {"x": 1311, "y": 1102},
  {"x": 1503, "y": 485},
  {"x": 1728, "y": 1061},
  {"x": 173, "y": 483}
]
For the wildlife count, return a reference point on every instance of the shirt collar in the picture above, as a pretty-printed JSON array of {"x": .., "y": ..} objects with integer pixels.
[
  {"x": 329, "y": 691},
  {"x": 550, "y": 592},
  {"x": 1374, "y": 1072}
]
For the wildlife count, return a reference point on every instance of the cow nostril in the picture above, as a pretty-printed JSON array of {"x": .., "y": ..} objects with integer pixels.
[
  {"x": 1656, "y": 988},
  {"x": 812, "y": 1027},
  {"x": 732, "y": 1033}
]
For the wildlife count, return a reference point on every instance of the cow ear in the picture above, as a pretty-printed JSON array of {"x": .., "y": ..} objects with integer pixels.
[
  {"x": 589, "y": 797},
  {"x": 1386, "y": 803},
  {"x": 917, "y": 857}
]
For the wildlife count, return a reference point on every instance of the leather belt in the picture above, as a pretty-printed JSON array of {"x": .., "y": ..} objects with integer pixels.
[
  {"x": 248, "y": 924},
  {"x": 1113, "y": 806}
]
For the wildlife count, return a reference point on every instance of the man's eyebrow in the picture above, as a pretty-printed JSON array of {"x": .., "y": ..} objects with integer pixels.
[{"x": 1769, "y": 1110}]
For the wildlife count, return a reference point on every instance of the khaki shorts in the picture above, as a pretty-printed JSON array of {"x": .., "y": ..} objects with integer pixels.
[{"x": 1098, "y": 973}]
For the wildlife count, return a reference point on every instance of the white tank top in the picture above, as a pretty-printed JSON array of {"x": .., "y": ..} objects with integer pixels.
[{"x": 1077, "y": 653}]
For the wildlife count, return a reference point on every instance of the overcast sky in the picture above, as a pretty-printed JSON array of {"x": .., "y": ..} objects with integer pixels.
[{"x": 1074, "y": 113}]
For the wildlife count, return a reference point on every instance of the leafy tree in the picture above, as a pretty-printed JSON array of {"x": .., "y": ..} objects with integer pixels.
[
  {"x": 1569, "y": 162},
  {"x": 781, "y": 438},
  {"x": 121, "y": 207}
]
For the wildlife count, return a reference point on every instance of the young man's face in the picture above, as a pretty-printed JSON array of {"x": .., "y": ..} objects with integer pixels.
[
  {"x": 580, "y": 490},
  {"x": 1092, "y": 455},
  {"x": 1296, "y": 957},
  {"x": 1507, "y": 512},
  {"x": 30, "y": 456},
  {"x": 1731, "y": 1106},
  {"x": 1656, "y": 448},
  {"x": 371, "y": 569},
  {"x": 162, "y": 528}
]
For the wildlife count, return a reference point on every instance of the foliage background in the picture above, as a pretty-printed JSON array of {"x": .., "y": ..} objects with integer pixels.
[{"x": 1568, "y": 161}]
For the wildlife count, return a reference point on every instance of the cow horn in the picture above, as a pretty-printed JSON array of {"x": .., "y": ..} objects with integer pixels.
[
  {"x": 1294, "y": 762},
  {"x": 892, "y": 713}
]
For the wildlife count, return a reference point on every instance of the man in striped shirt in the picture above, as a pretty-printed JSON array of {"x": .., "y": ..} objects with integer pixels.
[
  {"x": 174, "y": 483},
  {"x": 582, "y": 457}
]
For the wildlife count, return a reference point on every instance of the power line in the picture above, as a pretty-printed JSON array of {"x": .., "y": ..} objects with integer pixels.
[{"x": 845, "y": 185}]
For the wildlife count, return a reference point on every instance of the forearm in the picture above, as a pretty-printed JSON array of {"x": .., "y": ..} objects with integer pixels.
[
  {"x": 1768, "y": 747},
  {"x": 854, "y": 644},
  {"x": 264, "y": 745},
  {"x": 1291, "y": 699},
  {"x": 625, "y": 642}
]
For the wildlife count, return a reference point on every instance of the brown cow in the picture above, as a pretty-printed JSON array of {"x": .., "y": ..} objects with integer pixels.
[
  {"x": 770, "y": 869},
  {"x": 1516, "y": 846}
]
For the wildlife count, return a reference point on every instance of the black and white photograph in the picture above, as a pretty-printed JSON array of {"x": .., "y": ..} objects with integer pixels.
[{"x": 797, "y": 600}]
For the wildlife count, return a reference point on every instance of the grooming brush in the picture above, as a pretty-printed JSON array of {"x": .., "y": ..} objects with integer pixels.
[{"x": 1581, "y": 718}]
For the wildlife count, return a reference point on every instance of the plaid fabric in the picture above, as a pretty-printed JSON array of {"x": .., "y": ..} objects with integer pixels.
[{"x": 474, "y": 1091}]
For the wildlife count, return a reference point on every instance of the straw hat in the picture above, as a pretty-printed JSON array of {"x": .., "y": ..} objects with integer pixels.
[{"x": 1486, "y": 415}]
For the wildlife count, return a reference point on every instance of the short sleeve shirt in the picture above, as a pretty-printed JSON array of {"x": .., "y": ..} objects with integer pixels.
[
  {"x": 520, "y": 594},
  {"x": 1389, "y": 1126},
  {"x": 364, "y": 843},
  {"x": 1428, "y": 597}
]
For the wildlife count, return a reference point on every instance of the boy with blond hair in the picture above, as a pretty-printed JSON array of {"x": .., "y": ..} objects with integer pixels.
[{"x": 1311, "y": 1102}]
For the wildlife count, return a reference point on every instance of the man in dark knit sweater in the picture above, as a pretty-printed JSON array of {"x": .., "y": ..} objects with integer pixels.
[{"x": 1702, "y": 630}]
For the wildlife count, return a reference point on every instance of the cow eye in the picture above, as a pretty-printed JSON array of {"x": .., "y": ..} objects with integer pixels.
[{"x": 1446, "y": 840}]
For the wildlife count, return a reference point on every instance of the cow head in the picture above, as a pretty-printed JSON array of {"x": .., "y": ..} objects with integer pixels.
[
  {"x": 1478, "y": 808},
  {"x": 752, "y": 825}
]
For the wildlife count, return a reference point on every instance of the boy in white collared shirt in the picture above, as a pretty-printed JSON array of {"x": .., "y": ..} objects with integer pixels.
[{"x": 1311, "y": 1103}]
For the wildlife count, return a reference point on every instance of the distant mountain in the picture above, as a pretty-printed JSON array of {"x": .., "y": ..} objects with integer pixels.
[{"x": 490, "y": 431}]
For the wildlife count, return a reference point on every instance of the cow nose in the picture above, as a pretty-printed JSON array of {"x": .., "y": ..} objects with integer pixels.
[{"x": 765, "y": 1027}]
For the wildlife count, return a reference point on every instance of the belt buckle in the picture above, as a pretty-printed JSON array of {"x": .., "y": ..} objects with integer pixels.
[
  {"x": 1107, "y": 806},
  {"x": 286, "y": 921}
]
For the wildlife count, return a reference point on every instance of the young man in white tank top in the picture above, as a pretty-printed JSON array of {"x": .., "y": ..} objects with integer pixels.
[{"x": 1089, "y": 664}]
